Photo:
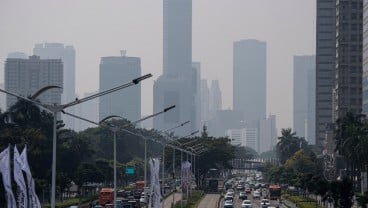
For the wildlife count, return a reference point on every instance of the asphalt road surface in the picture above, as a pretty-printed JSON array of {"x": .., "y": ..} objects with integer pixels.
[
  {"x": 256, "y": 203},
  {"x": 209, "y": 201}
]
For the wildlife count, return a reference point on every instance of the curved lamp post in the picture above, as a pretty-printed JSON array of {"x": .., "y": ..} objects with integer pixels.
[{"x": 56, "y": 108}]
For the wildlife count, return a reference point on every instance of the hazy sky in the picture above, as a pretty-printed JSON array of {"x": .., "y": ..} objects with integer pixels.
[{"x": 99, "y": 28}]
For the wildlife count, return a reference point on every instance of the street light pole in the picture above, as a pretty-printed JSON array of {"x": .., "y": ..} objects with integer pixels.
[
  {"x": 163, "y": 176},
  {"x": 114, "y": 129},
  {"x": 53, "y": 179}
]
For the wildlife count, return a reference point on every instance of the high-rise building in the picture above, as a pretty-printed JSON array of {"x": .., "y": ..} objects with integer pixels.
[
  {"x": 267, "y": 134},
  {"x": 114, "y": 71},
  {"x": 224, "y": 120},
  {"x": 365, "y": 57},
  {"x": 205, "y": 102},
  {"x": 249, "y": 79},
  {"x": 17, "y": 55},
  {"x": 215, "y": 97},
  {"x": 177, "y": 84},
  {"x": 251, "y": 138},
  {"x": 177, "y": 38},
  {"x": 67, "y": 55},
  {"x": 236, "y": 136},
  {"x": 27, "y": 76},
  {"x": 196, "y": 77},
  {"x": 325, "y": 66},
  {"x": 349, "y": 35},
  {"x": 304, "y": 97}
]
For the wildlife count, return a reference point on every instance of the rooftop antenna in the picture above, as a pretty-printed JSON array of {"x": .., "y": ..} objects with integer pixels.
[{"x": 123, "y": 52}]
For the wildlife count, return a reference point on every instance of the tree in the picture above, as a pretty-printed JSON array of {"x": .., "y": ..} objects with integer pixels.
[
  {"x": 351, "y": 138},
  {"x": 242, "y": 152},
  {"x": 288, "y": 144}
]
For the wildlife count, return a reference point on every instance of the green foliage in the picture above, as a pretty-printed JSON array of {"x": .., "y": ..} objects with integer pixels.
[
  {"x": 342, "y": 192},
  {"x": 242, "y": 152},
  {"x": 362, "y": 199},
  {"x": 288, "y": 144},
  {"x": 302, "y": 202}
]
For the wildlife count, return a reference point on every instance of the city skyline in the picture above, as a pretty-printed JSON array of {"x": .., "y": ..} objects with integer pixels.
[{"x": 142, "y": 36}]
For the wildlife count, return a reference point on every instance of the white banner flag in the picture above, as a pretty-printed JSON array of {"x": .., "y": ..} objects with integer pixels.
[
  {"x": 5, "y": 171},
  {"x": 19, "y": 179},
  {"x": 155, "y": 197},
  {"x": 34, "y": 202}
]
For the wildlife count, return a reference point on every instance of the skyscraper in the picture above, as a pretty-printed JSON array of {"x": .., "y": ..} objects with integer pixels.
[
  {"x": 249, "y": 79},
  {"x": 304, "y": 97},
  {"x": 325, "y": 66},
  {"x": 236, "y": 136},
  {"x": 267, "y": 134},
  {"x": 114, "y": 71},
  {"x": 349, "y": 35},
  {"x": 27, "y": 76},
  {"x": 196, "y": 77},
  {"x": 205, "y": 102},
  {"x": 176, "y": 86},
  {"x": 67, "y": 55},
  {"x": 215, "y": 97}
]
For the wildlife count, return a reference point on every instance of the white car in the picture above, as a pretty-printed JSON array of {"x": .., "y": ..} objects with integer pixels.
[
  {"x": 256, "y": 195},
  {"x": 230, "y": 191},
  {"x": 264, "y": 202},
  {"x": 228, "y": 204},
  {"x": 246, "y": 204}
]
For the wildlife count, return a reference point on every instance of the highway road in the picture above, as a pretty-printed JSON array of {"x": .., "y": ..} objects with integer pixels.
[{"x": 255, "y": 202}]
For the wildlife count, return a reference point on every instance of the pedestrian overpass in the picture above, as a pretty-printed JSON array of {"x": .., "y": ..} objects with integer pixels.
[{"x": 252, "y": 164}]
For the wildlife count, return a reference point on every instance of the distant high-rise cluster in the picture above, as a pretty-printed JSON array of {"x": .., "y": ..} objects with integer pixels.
[
  {"x": 304, "y": 97},
  {"x": 27, "y": 76}
]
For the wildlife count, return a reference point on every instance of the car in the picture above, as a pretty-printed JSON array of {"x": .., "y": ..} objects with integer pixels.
[
  {"x": 74, "y": 206},
  {"x": 228, "y": 204},
  {"x": 264, "y": 203},
  {"x": 230, "y": 191},
  {"x": 256, "y": 195},
  {"x": 143, "y": 200},
  {"x": 229, "y": 197},
  {"x": 248, "y": 190},
  {"x": 243, "y": 195},
  {"x": 246, "y": 204},
  {"x": 239, "y": 187}
]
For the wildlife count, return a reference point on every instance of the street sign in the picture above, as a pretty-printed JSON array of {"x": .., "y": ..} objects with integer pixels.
[{"x": 129, "y": 171}]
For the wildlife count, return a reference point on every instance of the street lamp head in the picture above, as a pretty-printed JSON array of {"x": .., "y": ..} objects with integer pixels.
[
  {"x": 108, "y": 117},
  {"x": 137, "y": 80},
  {"x": 169, "y": 108},
  {"x": 40, "y": 91}
]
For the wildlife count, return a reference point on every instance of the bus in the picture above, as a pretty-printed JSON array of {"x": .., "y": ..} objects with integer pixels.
[{"x": 275, "y": 192}]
